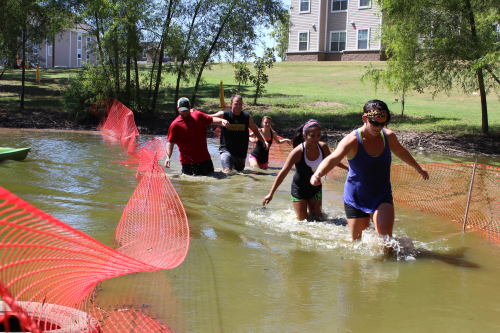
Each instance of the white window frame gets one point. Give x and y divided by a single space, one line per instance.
49 50
79 36
340 10
367 41
304 11
335 32
79 54
298 41
365 7
88 39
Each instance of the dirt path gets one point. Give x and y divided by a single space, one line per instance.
444 144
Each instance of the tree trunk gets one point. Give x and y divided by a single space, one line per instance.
23 63
137 87
162 51
212 47
484 108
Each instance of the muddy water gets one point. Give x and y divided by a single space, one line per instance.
250 269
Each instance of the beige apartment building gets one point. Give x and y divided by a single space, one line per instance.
334 30
71 48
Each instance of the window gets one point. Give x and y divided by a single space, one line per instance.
365 3
363 35
303 41
79 36
304 6
338 40
35 50
339 5
49 51
79 54
88 55
88 39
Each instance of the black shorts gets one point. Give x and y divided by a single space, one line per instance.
198 169
354 213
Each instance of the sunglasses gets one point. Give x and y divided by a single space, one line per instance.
376 123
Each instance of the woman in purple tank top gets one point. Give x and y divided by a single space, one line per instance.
367 192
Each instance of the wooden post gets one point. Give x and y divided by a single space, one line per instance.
468 199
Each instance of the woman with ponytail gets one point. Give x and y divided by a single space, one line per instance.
307 155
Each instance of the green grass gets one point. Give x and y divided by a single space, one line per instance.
330 92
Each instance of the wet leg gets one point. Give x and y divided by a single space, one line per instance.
357 225
300 209
383 219
315 211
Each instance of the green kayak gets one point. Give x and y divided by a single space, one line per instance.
17 154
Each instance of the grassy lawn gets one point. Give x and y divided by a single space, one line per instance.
328 91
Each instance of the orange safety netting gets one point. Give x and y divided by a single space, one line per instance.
446 193
49 271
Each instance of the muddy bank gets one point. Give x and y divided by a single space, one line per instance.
444 144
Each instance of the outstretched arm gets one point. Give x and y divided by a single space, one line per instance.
219 114
333 159
292 158
220 121
169 150
404 154
280 141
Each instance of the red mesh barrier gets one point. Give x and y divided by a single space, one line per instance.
446 193
49 271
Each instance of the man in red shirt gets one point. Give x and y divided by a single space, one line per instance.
188 131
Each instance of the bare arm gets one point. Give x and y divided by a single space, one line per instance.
257 133
333 159
404 154
220 121
219 114
292 158
169 150
280 141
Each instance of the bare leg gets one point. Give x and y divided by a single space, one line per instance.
383 219
315 209
300 209
253 163
357 226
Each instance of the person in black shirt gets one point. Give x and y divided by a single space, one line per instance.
260 155
234 138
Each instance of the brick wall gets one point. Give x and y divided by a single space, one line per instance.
316 56
361 56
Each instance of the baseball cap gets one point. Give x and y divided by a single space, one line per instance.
184 104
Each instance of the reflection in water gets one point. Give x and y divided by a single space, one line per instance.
254 269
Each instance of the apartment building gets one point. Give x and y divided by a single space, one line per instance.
334 30
71 48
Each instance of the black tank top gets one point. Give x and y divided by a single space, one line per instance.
301 184
234 139
260 152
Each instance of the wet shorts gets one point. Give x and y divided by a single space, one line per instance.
230 162
263 166
354 213
318 197
198 169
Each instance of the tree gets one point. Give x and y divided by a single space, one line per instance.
241 74
27 24
259 79
453 40
402 75
281 33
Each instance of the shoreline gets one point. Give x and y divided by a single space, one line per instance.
433 143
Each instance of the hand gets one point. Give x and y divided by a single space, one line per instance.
287 140
315 180
423 174
266 144
225 123
267 199
252 139
167 162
